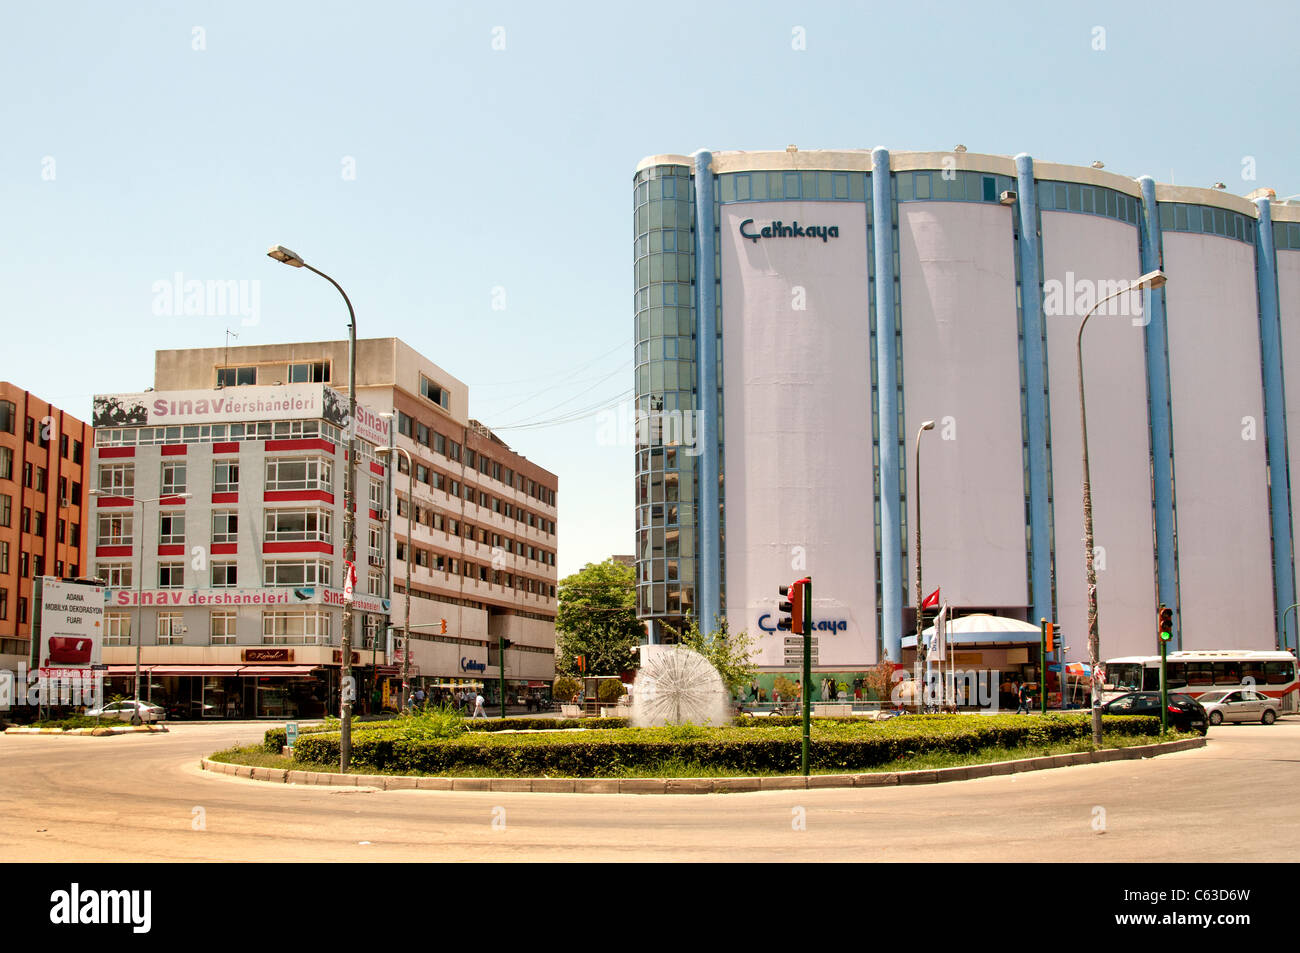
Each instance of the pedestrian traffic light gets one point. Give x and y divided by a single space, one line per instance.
1166 623
791 609
443 629
1051 635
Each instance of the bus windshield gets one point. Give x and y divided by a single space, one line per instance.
1124 676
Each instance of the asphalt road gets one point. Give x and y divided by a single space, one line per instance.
143 798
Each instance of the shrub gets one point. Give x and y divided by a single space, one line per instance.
611 689
566 688
784 687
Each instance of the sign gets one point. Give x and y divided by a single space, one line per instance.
338 657
819 625
472 665
782 230
71 627
283 596
267 655
234 404
290 733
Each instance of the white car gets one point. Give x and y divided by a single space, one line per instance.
1241 704
122 711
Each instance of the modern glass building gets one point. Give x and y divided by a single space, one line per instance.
826 304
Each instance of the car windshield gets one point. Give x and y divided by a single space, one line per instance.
1212 697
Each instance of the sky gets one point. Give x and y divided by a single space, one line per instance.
464 170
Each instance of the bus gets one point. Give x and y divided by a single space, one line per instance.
1198 672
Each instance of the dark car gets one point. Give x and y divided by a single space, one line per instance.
1185 712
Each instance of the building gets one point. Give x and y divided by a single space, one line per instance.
481 531
799 315
43 497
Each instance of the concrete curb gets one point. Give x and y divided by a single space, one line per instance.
86 732
703 785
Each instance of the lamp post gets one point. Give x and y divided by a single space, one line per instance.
1152 279
139 580
347 688
406 619
920 646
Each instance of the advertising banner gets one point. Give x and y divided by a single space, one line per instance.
71 628
283 596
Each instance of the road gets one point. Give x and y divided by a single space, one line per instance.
143 798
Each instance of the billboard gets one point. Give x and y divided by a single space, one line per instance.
71 628
234 404
265 597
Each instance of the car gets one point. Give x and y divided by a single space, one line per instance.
1241 704
125 710
1185 712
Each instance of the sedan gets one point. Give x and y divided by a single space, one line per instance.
1185 712
1240 705
125 710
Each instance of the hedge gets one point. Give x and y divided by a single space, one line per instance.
597 753
276 738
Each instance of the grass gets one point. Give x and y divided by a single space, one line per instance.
256 756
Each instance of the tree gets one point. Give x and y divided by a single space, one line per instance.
731 654
596 618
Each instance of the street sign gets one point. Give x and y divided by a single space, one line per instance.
796 642
291 733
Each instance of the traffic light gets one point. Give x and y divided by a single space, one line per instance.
506 643
1051 636
791 609
443 629
1166 623
581 661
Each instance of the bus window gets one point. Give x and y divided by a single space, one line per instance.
1176 673
1151 679
1279 673
1227 673
1200 673
1252 673
1123 676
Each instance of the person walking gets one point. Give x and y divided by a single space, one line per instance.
478 706
1022 699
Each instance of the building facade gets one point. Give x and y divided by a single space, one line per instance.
476 521
43 497
826 304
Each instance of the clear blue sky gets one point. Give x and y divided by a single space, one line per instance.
478 168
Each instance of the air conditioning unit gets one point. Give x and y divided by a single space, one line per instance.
383 515
1008 198
65 502
376 560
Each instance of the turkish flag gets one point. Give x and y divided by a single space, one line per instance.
350 582
931 600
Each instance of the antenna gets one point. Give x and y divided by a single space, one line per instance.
229 333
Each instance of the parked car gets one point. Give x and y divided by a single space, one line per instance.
123 710
1185 712
1240 705
182 711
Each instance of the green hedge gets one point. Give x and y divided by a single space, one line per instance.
276 738
593 754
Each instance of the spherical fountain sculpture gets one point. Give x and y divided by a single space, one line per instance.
677 686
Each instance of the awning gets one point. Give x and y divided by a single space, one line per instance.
195 670
538 684
280 670
983 629
126 670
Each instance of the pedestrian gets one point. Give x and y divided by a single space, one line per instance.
478 707
1022 698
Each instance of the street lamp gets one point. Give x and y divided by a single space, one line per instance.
410 552
347 690
920 646
1151 280
139 580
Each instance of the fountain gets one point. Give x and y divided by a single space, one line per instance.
677 686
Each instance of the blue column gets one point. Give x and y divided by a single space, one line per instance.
1031 310
891 527
1162 472
1270 343
708 589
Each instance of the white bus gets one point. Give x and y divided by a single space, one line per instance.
1195 673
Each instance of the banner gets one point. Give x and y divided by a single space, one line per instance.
71 627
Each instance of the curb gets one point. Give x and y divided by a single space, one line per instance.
85 732
703 785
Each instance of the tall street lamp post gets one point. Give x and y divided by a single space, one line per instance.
410 543
139 580
1152 280
920 645
347 687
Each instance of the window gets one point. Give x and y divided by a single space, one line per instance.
6 463
435 392
225 476
22 610
8 415
173 479
439 443
296 572
225 575
1279 673
376 546
376 584
116 529
282 627
377 501
76 451
30 432
298 525
221 626
171 528
40 525
63 446
171 628
39 561
236 376
4 558
171 576
27 475
422 434
117 628
42 475
225 526
6 509
26 522
115 575
4 604
317 372
300 473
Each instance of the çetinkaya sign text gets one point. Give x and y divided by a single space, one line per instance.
782 230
